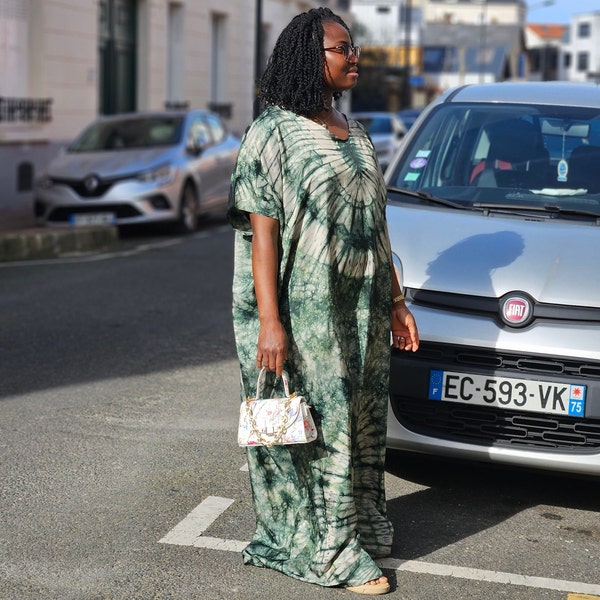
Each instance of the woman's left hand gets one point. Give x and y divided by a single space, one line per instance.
405 335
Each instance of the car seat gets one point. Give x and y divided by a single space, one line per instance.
517 157
584 168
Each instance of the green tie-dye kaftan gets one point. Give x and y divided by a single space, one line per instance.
320 507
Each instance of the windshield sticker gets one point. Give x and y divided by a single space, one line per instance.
562 169
418 163
423 153
411 177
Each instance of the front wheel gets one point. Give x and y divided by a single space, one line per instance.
188 210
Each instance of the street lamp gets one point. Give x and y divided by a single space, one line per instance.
482 41
406 99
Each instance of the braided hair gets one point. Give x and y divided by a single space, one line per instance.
295 73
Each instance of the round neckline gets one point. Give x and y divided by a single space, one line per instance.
333 135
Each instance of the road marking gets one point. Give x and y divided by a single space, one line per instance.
189 532
197 522
213 543
417 566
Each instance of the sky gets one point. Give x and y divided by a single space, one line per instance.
560 12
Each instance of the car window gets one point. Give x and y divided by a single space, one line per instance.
376 124
129 133
505 153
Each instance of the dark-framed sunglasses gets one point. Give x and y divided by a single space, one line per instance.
345 49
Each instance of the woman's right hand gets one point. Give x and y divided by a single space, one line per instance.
272 349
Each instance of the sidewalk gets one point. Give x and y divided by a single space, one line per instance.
21 239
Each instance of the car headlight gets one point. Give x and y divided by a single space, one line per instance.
163 175
44 182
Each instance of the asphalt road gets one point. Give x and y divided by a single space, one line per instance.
120 477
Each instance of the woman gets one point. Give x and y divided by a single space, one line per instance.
313 290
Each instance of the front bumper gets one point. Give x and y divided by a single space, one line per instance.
485 433
127 202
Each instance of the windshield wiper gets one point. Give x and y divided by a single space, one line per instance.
555 208
428 197
547 208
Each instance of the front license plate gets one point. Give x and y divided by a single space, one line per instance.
106 218
506 392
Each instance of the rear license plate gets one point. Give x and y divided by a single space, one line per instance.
506 392
93 219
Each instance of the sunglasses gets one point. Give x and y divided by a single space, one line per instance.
345 49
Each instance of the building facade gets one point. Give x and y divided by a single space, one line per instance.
476 12
544 43
580 59
444 43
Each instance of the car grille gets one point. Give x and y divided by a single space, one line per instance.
490 426
487 426
79 187
122 211
464 356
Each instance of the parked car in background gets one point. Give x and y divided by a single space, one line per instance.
140 168
494 219
409 115
386 131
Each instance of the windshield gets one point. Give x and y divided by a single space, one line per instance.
506 155
125 134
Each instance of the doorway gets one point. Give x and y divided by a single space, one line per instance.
117 68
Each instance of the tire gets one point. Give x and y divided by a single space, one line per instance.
188 210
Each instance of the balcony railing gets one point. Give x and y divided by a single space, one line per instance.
25 109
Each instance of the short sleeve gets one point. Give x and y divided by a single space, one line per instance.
256 183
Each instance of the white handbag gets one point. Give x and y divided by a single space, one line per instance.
275 421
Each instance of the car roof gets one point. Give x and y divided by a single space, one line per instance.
372 113
557 93
154 114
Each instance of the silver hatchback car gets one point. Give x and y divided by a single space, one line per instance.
494 218
386 130
140 168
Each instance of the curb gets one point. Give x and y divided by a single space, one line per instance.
40 243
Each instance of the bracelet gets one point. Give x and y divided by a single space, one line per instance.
398 298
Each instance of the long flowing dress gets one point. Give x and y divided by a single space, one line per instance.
320 507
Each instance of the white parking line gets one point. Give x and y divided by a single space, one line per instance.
199 520
189 533
213 543
417 566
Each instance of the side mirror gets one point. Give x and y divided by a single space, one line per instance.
198 144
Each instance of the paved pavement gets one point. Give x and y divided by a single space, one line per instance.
20 239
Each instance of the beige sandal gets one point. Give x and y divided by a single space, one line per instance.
370 589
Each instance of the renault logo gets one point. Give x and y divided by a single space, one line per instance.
516 310
91 183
